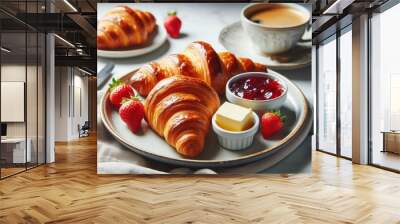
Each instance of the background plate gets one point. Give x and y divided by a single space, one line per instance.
234 39
158 40
150 145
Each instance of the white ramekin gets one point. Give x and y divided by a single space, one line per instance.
236 140
256 105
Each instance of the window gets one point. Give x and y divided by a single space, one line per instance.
22 75
327 96
334 106
385 89
346 93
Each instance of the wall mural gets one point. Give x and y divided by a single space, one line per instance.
204 88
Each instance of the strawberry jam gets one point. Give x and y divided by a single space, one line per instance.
257 88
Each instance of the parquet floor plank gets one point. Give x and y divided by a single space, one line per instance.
70 191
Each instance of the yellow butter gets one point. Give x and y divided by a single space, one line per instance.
232 117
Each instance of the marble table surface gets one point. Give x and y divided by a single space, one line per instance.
206 25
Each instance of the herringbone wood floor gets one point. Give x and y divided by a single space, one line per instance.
69 191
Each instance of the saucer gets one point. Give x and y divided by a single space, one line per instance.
234 39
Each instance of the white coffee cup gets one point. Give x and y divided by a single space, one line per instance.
273 40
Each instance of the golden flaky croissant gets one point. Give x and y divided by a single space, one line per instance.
179 109
198 60
124 27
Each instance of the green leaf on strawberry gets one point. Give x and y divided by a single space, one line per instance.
124 100
280 114
172 13
114 83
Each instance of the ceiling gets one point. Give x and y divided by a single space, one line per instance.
72 20
331 15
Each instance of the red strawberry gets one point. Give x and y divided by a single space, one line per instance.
271 123
119 91
173 24
132 113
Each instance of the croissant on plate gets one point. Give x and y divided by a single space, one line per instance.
180 109
124 27
198 60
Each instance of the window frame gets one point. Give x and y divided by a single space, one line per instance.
29 29
334 37
379 10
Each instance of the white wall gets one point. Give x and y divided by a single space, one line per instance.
14 72
70 84
61 104
80 84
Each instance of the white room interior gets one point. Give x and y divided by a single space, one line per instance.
71 102
22 100
30 82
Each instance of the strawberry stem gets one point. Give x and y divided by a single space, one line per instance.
279 113
114 83
125 99
172 13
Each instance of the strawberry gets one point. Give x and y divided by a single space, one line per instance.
132 113
271 123
119 91
173 24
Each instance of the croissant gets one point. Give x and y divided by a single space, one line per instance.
124 27
198 60
179 109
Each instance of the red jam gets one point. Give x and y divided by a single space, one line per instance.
257 88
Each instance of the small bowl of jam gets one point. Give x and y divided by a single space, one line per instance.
259 91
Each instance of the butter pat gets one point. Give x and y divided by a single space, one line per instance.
232 117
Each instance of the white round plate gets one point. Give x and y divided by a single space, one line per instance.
158 40
147 143
235 39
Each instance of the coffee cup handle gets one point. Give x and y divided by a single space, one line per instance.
308 29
